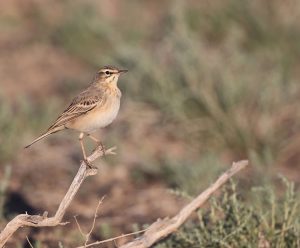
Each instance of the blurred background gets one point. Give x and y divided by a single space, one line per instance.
209 82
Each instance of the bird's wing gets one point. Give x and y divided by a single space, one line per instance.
82 104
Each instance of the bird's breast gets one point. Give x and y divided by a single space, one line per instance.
99 117
104 115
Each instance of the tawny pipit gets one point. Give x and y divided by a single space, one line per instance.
93 108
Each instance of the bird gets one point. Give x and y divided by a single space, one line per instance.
94 108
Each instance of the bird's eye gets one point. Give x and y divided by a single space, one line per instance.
107 72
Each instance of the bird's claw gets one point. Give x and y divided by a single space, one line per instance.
103 149
87 163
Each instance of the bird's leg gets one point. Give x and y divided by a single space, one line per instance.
98 142
81 135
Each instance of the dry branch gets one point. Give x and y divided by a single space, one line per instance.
162 228
43 221
88 235
112 239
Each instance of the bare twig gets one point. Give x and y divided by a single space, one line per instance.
87 235
112 239
29 242
162 228
79 227
43 221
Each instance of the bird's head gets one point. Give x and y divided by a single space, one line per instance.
109 74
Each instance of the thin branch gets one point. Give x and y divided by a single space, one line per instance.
95 217
163 228
113 239
87 235
43 221
29 242
79 227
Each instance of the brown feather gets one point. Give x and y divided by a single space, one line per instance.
103 87
81 104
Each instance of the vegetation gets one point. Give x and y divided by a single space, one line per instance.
209 83
230 222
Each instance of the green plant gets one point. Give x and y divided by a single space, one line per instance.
15 121
230 221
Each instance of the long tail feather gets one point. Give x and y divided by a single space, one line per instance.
43 136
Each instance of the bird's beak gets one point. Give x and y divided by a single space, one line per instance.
122 71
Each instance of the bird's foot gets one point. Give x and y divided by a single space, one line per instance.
103 148
87 163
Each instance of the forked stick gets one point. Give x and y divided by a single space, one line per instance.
155 232
22 220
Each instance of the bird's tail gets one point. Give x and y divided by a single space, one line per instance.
51 131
